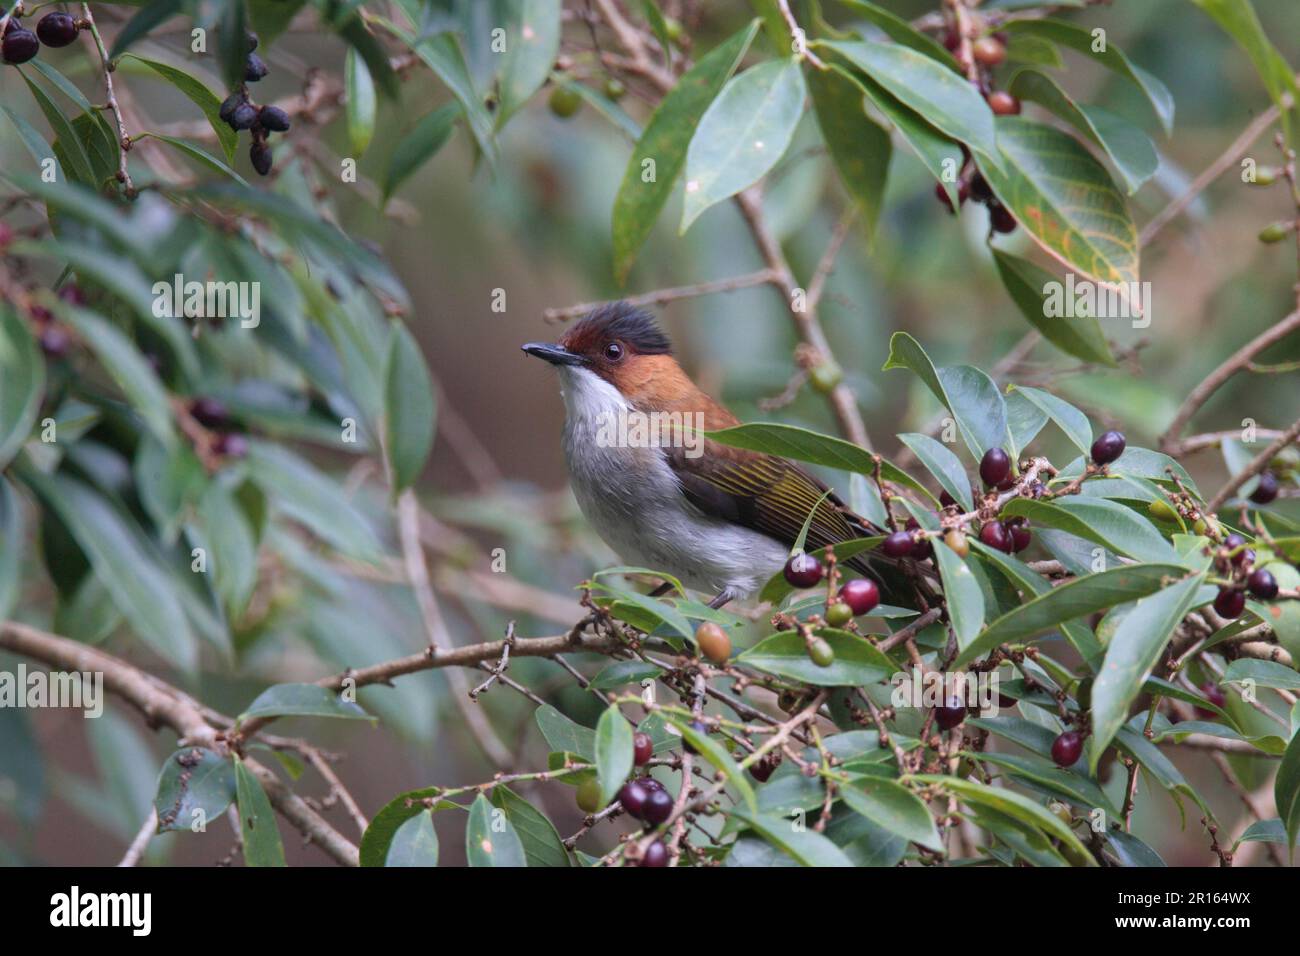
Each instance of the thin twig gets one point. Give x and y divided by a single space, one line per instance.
661 296
123 140
1256 465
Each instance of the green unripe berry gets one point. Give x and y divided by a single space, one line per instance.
839 614
825 377
822 654
1162 510
615 89
1264 176
1274 232
1200 527
673 27
565 101
588 795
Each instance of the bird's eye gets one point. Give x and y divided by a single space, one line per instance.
613 351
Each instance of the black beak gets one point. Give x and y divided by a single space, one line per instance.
555 354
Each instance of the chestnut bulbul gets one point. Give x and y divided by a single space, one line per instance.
721 519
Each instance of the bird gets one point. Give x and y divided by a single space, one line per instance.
722 520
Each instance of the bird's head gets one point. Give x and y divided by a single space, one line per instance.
622 345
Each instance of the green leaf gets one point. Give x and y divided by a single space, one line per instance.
664 143
309 497
409 410
139 586
199 154
893 807
961 592
1238 19
900 31
302 700
622 673
362 103
1130 149
968 393
74 158
658 611
194 788
806 846
261 836
857 662
232 42
123 361
1107 54
384 825
742 134
943 464
22 383
541 842
1134 649
717 755
231 543
1098 520
1286 791
415 844
34 141
1265 831
203 98
860 148
945 99
13 540
1073 599
1069 419
354 31
443 55
1033 290
490 837
563 734
613 752
532 42
419 145
1263 673
1066 201
788 441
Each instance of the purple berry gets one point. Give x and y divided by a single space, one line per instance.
803 570
995 467
1266 490
1230 603
56 29
1262 584
633 797
1067 748
861 595
658 807
1108 447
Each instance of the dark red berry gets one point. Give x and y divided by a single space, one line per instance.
55 342
254 69
650 783
656 855
946 500
700 728
1230 603
19 45
861 595
1020 534
995 535
643 749
1108 447
56 29
260 156
1262 584
243 116
1003 103
658 807
951 713
1266 490
979 188
209 412
803 570
988 51
951 41
1001 218
995 467
633 796
897 545
941 193
1067 748
232 445
274 119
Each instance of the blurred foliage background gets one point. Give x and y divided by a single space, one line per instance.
538 227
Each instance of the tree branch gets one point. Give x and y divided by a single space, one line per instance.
1257 464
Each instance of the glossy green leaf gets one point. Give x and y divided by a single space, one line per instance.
197 153
261 835
1069 419
74 159
804 844
22 383
361 104
443 55
1263 673
1286 791
490 837
1070 600
409 410
895 808
613 752
302 700
1038 294
622 673
944 98
1134 649
377 841
859 147
742 134
430 134
1130 149
194 788
857 661
716 755
1066 201
943 464
532 42
1095 519
962 593
660 154
541 842
564 734
200 96
900 31
415 844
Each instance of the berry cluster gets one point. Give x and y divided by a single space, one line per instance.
1237 562
55 29
854 598
213 414
643 798
240 113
